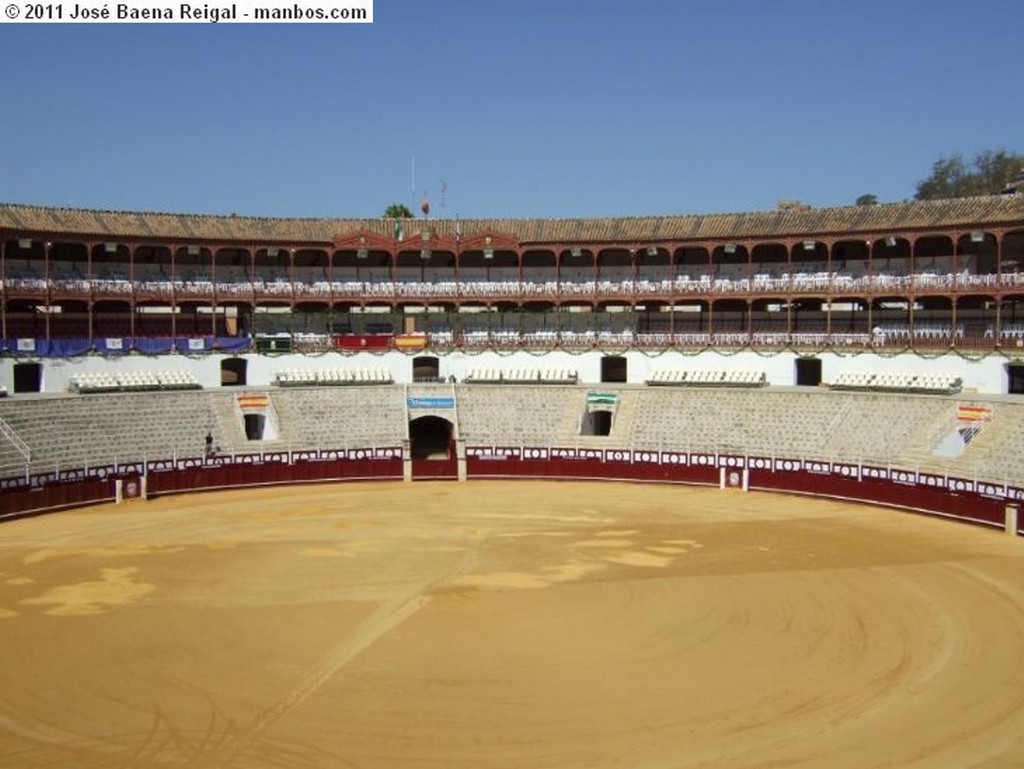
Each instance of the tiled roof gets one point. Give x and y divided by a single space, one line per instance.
921 216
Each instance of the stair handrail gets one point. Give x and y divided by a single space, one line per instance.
8 432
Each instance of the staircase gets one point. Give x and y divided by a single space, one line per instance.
19 445
622 424
918 453
229 432
976 459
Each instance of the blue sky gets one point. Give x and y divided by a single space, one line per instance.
563 108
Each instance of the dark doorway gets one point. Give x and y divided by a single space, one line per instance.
430 438
596 423
254 424
1015 378
426 368
808 372
232 372
28 377
432 449
613 368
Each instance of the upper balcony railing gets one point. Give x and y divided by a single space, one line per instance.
820 284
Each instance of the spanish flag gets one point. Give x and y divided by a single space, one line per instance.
410 341
252 401
974 414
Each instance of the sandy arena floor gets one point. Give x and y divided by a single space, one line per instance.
507 625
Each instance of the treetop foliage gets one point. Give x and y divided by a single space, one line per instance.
397 211
952 177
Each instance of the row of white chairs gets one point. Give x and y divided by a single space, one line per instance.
630 338
921 331
177 380
1008 331
360 376
900 381
702 377
133 380
282 284
523 376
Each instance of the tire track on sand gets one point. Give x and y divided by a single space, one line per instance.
389 615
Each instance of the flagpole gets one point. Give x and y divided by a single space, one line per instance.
458 252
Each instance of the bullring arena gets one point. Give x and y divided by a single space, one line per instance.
718 491
508 624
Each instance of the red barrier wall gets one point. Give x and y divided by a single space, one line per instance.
55 496
271 473
901 489
971 507
435 469
589 469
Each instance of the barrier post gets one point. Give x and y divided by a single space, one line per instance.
460 458
1010 522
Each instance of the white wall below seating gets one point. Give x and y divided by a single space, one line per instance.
986 375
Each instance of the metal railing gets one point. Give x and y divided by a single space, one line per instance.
22 448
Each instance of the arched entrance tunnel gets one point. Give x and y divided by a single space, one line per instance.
430 437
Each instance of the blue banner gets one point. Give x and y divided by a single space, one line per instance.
430 403
73 347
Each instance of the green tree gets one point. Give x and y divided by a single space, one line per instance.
996 169
948 180
397 211
952 177
867 200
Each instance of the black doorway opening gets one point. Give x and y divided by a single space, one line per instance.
808 372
